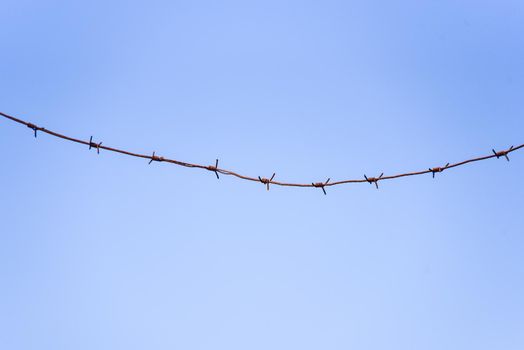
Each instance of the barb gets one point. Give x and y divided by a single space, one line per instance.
374 180
155 158
321 185
438 169
94 145
267 182
34 127
502 153
214 168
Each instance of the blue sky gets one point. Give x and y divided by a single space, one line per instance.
106 252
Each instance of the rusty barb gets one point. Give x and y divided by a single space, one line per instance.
502 153
94 145
156 158
33 126
214 168
438 169
374 180
266 181
321 185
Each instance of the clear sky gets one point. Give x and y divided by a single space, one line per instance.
108 252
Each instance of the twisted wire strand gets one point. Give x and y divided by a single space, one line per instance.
266 182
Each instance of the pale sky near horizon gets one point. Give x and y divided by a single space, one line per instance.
108 252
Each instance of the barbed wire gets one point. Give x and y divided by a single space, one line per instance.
265 181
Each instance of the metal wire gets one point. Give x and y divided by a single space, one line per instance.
265 181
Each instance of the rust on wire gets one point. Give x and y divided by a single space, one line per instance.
502 153
32 126
265 181
374 180
155 158
438 169
214 168
321 185
94 145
